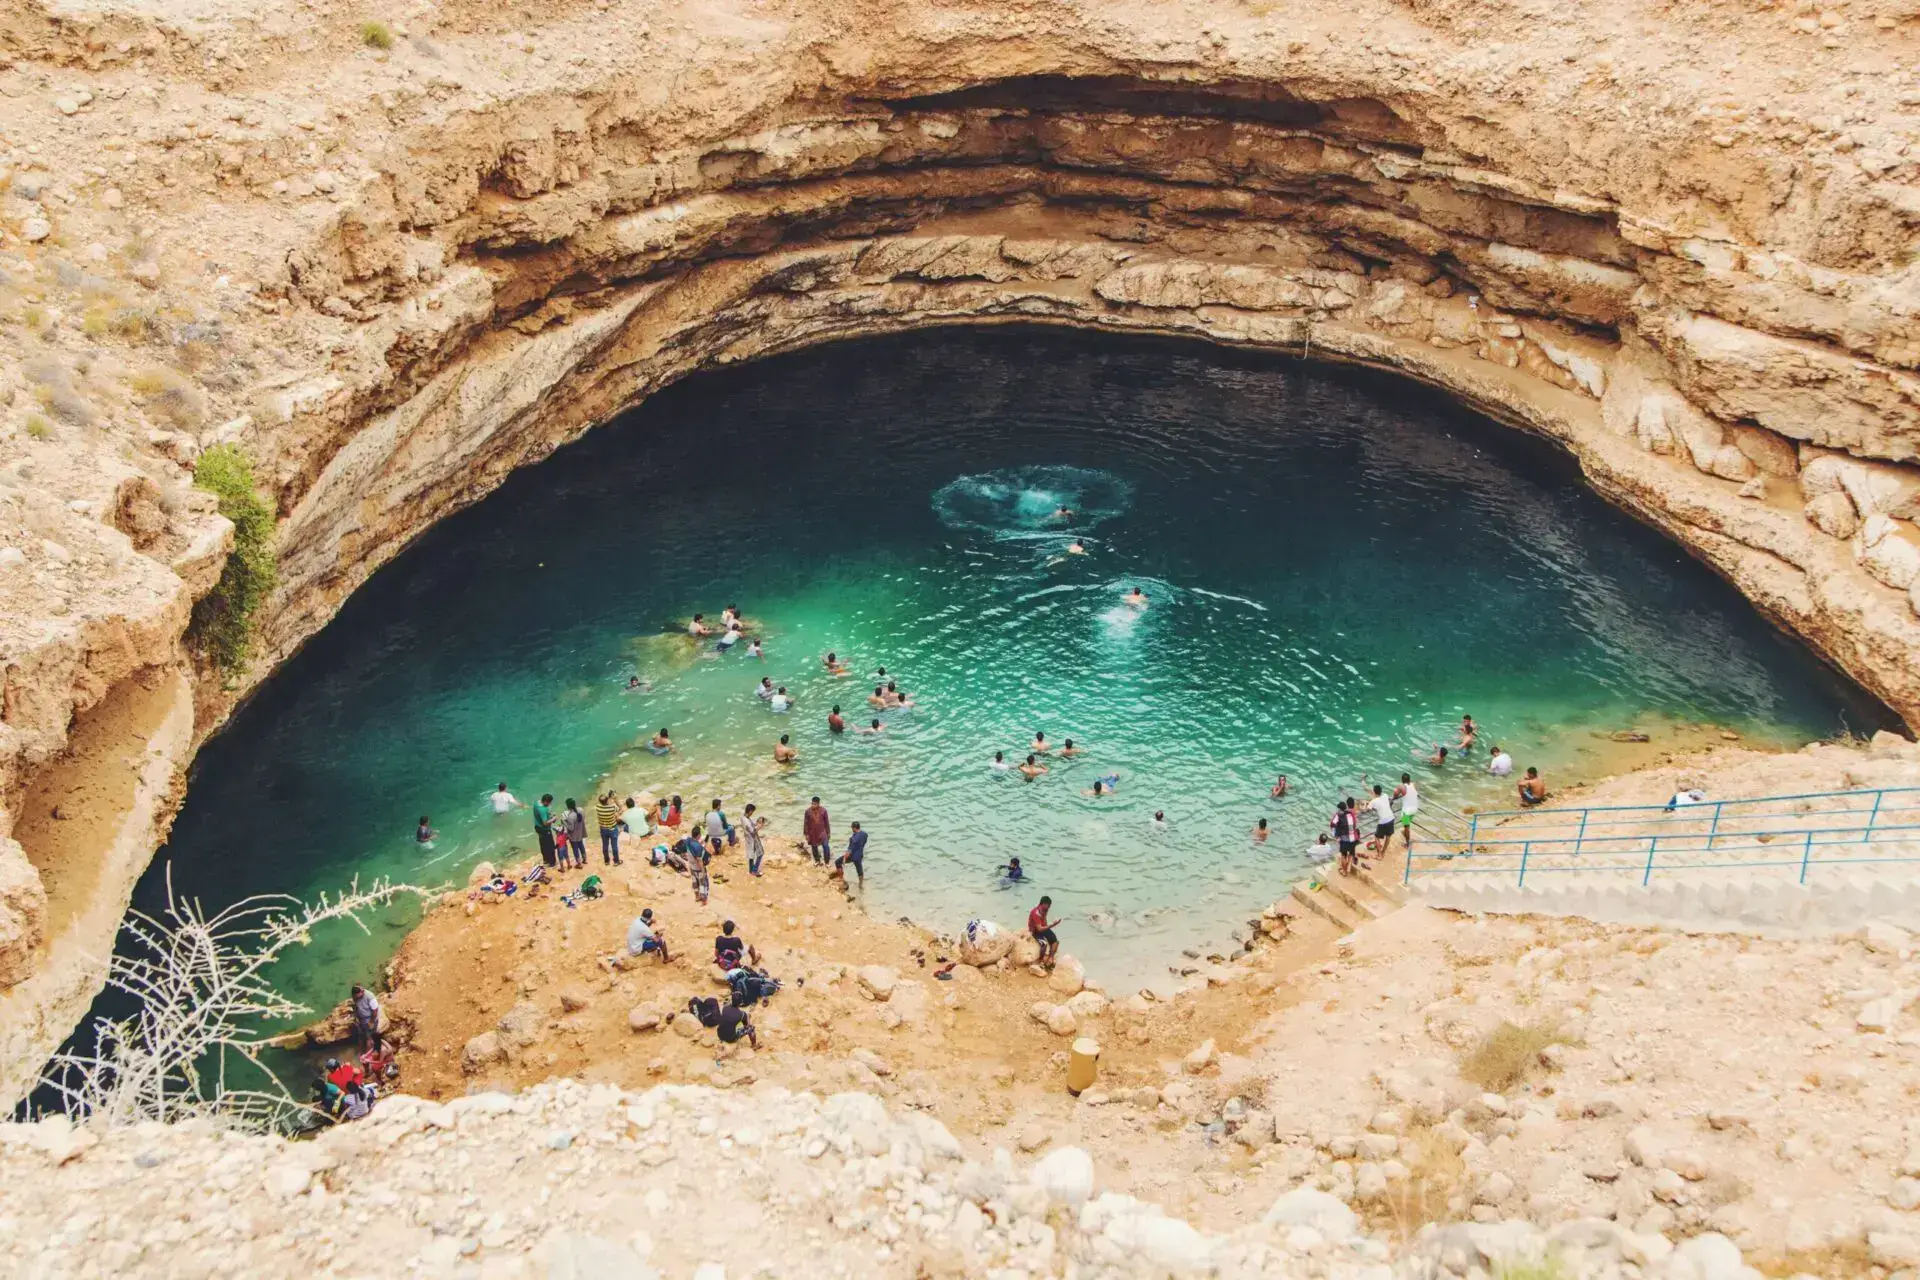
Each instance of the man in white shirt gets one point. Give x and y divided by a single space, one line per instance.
1502 764
1382 806
780 701
1409 796
502 800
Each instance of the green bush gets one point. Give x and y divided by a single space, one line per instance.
222 627
376 35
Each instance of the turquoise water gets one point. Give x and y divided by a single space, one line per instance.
1338 566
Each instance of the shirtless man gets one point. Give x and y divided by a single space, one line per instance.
1533 788
1032 768
1467 734
875 727
1260 832
1135 597
878 698
1040 744
835 667
836 723
661 743
784 751
698 627
1069 751
1279 788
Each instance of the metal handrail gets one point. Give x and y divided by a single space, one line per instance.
1572 840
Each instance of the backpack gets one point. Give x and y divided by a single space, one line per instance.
706 1009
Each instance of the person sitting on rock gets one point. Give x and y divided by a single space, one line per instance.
1042 930
730 949
643 936
1533 788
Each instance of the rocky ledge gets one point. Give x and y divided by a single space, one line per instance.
571 1180
396 260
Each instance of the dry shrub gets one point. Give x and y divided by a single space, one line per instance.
1551 1267
1508 1053
376 35
1436 1176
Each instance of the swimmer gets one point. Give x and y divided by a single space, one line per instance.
1135 597
1076 548
661 744
754 650
1321 850
764 691
881 675
1103 786
836 723
1279 788
636 685
698 627
730 616
875 727
1063 514
1468 732
1437 756
834 666
1040 743
784 752
1260 832
424 833
878 698
729 638
906 701
1011 872
1160 818
1032 768
890 696
1502 764
1000 764
1069 751
780 703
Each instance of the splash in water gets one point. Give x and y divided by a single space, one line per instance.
1021 501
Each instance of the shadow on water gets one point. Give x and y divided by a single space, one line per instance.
1339 563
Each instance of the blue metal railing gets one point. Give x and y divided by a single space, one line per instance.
1801 831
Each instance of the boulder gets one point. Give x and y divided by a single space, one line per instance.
1067 977
1088 1004
521 1025
1061 1022
1714 1257
1874 488
1306 1206
1203 1056
1772 453
876 980
573 1000
643 1018
1833 515
985 943
1889 551
481 1052
872 1062
1025 951
1066 1175
481 874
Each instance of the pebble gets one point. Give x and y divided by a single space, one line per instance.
34 230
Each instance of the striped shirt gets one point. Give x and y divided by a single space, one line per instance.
608 813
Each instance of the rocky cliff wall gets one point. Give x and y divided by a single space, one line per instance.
1677 240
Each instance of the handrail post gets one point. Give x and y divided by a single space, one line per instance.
1714 826
1647 879
1873 816
1806 856
1580 836
1525 849
1473 833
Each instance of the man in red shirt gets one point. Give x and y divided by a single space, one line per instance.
1042 930
818 832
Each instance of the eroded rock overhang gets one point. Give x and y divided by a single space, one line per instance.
461 255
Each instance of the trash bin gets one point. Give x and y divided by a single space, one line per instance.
1083 1064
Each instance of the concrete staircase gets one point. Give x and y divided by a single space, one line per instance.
1712 900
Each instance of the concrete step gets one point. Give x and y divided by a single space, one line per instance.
1392 892
1350 899
1306 897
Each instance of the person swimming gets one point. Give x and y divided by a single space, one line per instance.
1159 817
636 685
834 666
1069 750
878 698
836 723
1032 768
754 650
1040 743
1279 788
1000 764
1077 548
1011 873
1063 514
1437 756
875 727
698 627
424 833
728 638
780 703
661 744
764 691
890 696
1104 786
1260 832
784 752
1468 732
1135 597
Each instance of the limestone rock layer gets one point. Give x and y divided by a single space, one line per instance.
394 265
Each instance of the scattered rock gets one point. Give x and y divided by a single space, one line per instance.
876 980
481 1052
1203 1056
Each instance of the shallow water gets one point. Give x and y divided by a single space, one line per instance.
1338 565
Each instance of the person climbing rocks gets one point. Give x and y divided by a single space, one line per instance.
1042 930
817 830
